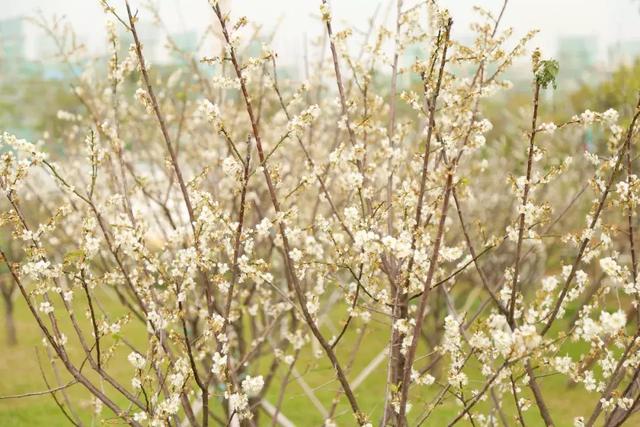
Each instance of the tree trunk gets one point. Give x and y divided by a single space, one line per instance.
10 323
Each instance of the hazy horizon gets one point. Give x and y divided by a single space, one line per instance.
607 22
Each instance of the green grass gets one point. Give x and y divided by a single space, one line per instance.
20 370
20 374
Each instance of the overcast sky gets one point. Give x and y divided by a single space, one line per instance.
609 21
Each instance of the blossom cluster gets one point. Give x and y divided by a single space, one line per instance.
258 231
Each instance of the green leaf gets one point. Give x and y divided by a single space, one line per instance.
546 72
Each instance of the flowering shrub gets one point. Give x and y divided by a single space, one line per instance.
249 225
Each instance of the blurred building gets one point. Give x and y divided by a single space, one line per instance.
577 57
150 37
12 44
409 56
623 53
185 46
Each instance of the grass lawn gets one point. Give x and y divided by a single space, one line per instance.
20 373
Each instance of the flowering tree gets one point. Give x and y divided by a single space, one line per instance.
244 225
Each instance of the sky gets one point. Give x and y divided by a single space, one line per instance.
608 21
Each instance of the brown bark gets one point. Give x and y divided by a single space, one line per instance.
9 318
10 324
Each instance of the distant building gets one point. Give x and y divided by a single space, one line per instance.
46 48
409 56
577 57
185 43
12 43
150 37
623 53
